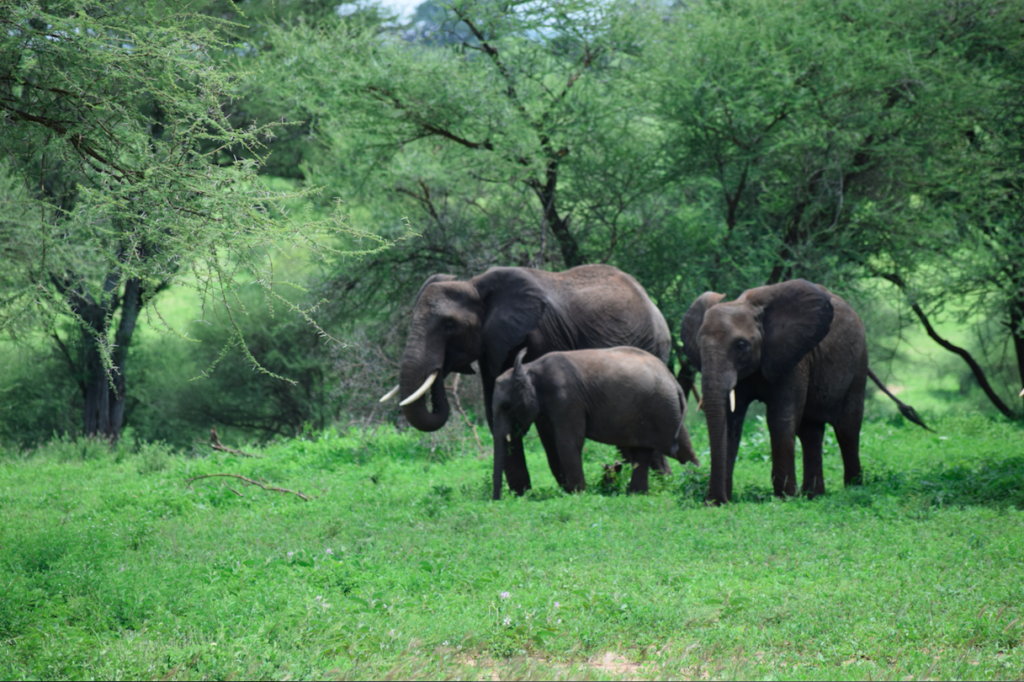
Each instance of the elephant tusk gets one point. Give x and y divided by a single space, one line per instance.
700 404
420 391
1021 394
390 394
732 400
508 437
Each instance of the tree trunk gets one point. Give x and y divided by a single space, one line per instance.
559 226
105 391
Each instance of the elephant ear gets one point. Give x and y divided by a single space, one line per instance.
431 280
796 317
519 376
692 322
513 305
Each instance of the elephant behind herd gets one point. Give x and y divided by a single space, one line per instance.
795 346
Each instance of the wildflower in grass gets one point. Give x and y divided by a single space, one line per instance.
329 551
505 595
507 621
290 554
557 605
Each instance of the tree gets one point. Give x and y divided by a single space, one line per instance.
978 209
506 133
828 139
250 27
113 122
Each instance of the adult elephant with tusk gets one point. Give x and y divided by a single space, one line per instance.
802 351
490 317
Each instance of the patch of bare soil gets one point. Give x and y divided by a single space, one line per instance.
608 663
612 662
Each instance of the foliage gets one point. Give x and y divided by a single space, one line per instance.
913 574
229 391
112 118
718 146
39 399
509 135
248 27
846 141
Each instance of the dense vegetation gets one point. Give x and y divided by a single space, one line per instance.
215 213
218 212
114 565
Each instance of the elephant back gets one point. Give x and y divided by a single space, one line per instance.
599 306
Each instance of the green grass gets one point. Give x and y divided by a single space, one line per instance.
112 567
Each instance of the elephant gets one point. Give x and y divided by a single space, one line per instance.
802 351
621 396
490 317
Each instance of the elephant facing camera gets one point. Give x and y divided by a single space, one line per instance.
620 396
802 351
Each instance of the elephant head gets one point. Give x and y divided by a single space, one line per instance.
455 323
767 330
516 407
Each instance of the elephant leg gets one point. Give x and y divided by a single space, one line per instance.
848 437
782 430
547 438
735 433
488 382
569 443
516 473
659 462
642 458
811 435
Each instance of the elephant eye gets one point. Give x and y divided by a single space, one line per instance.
449 326
742 345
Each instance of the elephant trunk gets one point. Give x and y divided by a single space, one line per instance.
416 369
423 418
501 437
718 407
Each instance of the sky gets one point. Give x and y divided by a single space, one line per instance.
405 7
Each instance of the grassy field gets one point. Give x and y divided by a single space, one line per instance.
399 566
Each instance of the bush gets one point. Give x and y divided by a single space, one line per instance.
38 397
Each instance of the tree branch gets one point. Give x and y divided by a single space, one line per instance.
216 445
979 373
77 141
248 481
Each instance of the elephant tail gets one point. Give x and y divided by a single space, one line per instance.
906 410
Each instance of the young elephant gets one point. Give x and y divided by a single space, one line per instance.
621 396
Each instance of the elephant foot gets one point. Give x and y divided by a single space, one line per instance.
814 489
784 486
519 491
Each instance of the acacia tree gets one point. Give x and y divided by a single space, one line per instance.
503 132
978 217
831 140
112 120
